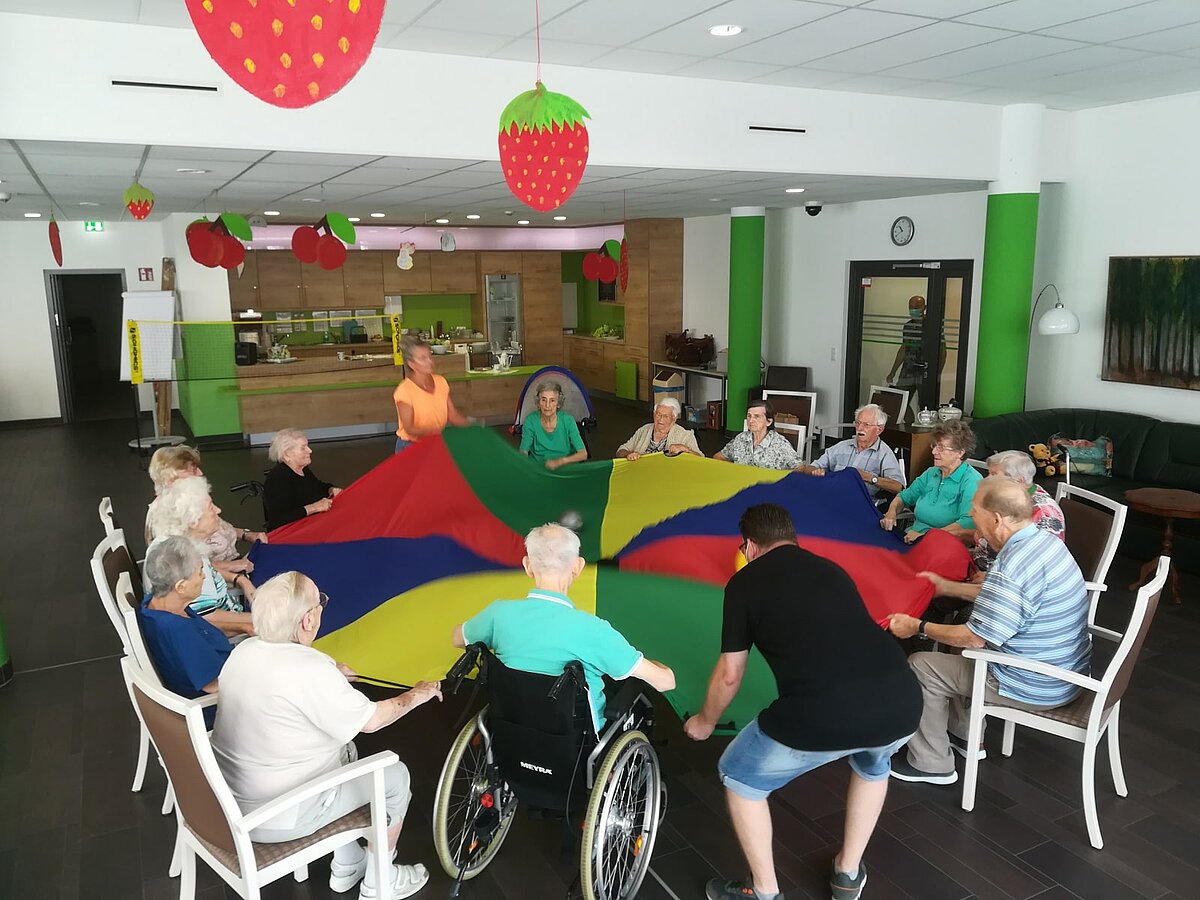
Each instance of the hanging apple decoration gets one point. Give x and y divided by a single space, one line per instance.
543 147
55 241
139 201
219 243
286 53
599 265
327 250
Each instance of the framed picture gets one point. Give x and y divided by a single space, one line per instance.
1152 321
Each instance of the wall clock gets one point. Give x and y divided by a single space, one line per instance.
903 231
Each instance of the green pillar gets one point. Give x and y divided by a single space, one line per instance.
747 238
1009 244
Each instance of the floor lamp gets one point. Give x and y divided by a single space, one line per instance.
1058 320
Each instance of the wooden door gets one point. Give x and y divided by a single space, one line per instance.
362 276
243 289
406 281
322 289
541 301
278 280
453 273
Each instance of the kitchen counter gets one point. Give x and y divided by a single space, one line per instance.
594 340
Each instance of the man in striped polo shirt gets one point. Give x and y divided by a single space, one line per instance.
1032 603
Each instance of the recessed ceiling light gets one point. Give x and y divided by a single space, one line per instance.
560 218
88 203
442 221
378 215
725 30
33 215
793 190
310 199
353 219
193 171
716 199
473 216
270 212
273 247
519 221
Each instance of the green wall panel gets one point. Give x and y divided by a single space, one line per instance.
592 313
746 241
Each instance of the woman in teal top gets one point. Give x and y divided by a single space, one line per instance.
941 496
547 437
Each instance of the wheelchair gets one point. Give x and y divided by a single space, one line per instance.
534 744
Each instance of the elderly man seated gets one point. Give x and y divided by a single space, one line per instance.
1032 603
760 445
663 435
288 715
1018 466
544 631
866 452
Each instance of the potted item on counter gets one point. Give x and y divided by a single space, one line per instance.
438 346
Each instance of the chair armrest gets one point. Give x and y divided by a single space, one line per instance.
1033 665
350 772
1094 586
204 701
1107 634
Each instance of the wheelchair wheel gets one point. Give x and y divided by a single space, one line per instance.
623 813
473 809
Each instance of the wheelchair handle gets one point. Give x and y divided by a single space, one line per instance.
727 726
461 669
572 671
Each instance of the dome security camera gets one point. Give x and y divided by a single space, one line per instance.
813 207
5 196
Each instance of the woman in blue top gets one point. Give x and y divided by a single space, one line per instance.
547 437
941 496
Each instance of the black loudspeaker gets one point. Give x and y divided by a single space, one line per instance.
245 353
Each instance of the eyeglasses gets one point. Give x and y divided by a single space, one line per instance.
322 601
742 547
859 423
942 448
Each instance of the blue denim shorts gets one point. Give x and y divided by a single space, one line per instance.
754 765
402 444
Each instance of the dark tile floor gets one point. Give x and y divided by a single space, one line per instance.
70 828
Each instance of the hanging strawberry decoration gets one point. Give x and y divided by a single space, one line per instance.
219 243
55 240
288 53
624 266
543 147
326 250
139 201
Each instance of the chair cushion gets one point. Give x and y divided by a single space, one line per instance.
267 854
1074 713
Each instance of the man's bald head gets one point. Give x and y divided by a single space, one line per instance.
1005 497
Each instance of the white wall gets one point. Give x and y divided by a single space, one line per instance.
1134 190
706 289
807 278
28 384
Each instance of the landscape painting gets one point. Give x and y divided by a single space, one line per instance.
1152 322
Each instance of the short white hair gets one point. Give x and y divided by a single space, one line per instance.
881 418
551 548
672 404
168 463
1015 464
279 605
169 562
179 508
284 442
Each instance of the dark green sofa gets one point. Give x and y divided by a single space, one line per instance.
1147 452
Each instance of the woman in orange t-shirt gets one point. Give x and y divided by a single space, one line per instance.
423 404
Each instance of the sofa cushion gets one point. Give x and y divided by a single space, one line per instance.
1171 457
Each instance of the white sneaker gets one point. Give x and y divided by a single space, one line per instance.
343 877
406 881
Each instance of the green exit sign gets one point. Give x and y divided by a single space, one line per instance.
93 226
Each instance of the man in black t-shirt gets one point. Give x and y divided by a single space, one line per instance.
845 690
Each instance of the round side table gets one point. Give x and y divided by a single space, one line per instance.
1168 504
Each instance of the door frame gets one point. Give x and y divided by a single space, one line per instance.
937 272
60 334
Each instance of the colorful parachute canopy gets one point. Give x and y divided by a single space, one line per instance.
429 537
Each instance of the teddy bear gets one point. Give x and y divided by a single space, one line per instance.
1049 462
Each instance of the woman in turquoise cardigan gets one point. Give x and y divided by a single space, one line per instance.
941 496
547 437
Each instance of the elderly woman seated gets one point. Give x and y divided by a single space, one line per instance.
187 650
663 435
169 464
760 444
288 715
292 490
547 437
940 497
1018 466
185 509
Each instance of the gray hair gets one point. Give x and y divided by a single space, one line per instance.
958 435
551 548
543 386
1014 464
170 561
881 418
672 404
168 462
179 508
279 605
409 343
285 440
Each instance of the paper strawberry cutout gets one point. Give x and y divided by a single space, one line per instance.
289 53
55 241
139 201
543 147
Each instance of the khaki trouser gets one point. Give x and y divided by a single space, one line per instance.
946 688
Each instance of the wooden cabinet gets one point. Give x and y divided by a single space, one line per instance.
406 281
243 289
453 273
541 303
322 289
279 280
362 276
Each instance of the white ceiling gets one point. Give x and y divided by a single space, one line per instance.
1067 54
